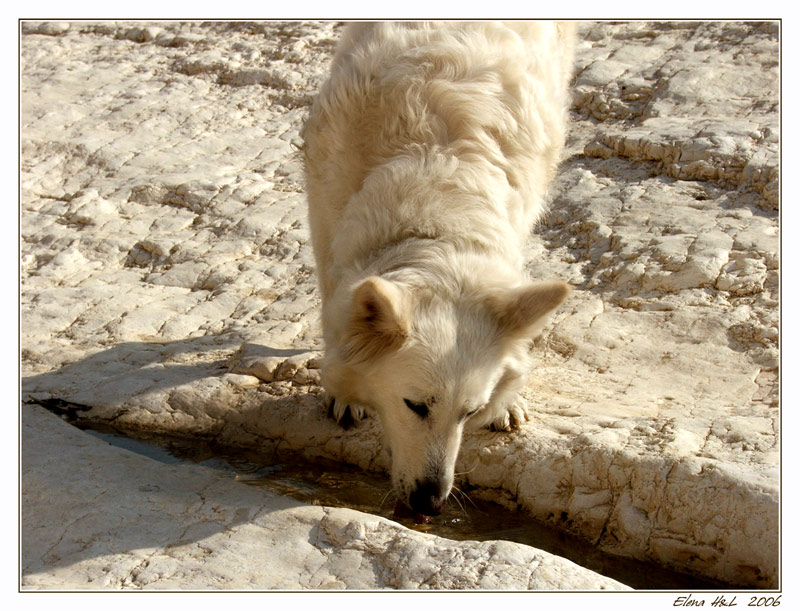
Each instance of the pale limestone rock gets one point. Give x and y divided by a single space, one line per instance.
168 282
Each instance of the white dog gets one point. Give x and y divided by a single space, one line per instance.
428 153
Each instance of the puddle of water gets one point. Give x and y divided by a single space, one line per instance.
325 482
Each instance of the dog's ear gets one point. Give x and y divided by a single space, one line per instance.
522 312
379 319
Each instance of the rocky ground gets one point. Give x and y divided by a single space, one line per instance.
168 285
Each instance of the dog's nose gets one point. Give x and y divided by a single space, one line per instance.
428 498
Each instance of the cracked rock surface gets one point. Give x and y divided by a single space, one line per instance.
168 284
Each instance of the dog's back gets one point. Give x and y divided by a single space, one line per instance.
435 130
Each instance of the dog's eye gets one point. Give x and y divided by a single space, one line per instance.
418 408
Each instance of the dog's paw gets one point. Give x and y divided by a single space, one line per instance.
344 414
509 419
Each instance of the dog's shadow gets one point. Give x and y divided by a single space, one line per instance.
132 369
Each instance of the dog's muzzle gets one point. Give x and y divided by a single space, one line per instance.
428 497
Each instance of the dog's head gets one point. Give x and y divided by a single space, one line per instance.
427 363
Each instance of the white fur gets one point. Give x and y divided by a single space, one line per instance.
428 154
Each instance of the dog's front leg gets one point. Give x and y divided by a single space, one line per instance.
506 409
345 414
341 384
